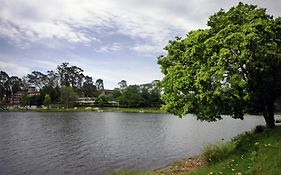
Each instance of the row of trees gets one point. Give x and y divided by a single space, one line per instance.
145 95
62 85
65 84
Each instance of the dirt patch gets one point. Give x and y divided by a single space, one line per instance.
186 165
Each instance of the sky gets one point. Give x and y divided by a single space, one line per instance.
109 39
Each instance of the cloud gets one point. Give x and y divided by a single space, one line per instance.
110 48
84 22
13 68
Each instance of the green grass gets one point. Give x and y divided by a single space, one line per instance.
219 151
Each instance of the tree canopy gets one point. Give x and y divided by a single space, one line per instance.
232 67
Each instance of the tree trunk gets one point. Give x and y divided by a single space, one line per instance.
268 114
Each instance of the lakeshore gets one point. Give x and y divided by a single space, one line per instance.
87 109
255 152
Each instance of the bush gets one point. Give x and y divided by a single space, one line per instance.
219 151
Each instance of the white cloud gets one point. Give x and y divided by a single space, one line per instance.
154 22
13 68
110 48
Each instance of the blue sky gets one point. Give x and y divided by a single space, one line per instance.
109 39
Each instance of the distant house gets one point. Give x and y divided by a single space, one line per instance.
31 91
15 99
85 101
105 91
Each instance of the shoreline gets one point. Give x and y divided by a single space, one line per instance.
105 109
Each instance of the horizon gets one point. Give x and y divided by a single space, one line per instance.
108 40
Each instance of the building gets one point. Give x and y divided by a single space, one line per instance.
15 99
105 91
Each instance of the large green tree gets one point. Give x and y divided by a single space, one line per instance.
232 67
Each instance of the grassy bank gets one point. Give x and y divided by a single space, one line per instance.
81 109
258 152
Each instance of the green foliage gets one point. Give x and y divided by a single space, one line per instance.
24 100
219 151
67 96
47 100
102 101
229 68
89 89
53 92
130 96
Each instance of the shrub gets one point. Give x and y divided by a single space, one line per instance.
219 151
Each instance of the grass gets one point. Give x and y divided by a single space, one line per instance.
219 151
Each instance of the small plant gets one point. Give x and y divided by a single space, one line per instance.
219 151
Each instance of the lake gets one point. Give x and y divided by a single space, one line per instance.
97 143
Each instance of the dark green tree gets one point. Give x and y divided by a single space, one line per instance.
4 88
99 84
53 92
230 68
89 89
131 96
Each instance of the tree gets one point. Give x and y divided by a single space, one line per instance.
101 101
68 96
230 68
4 87
47 101
53 78
70 75
122 84
15 84
99 84
37 79
131 96
53 92
89 89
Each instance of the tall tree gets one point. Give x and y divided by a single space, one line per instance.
37 79
229 68
15 84
89 89
99 84
70 75
53 78
122 84
4 87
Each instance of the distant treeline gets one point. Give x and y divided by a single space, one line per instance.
65 85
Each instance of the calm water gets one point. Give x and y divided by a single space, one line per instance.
96 143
